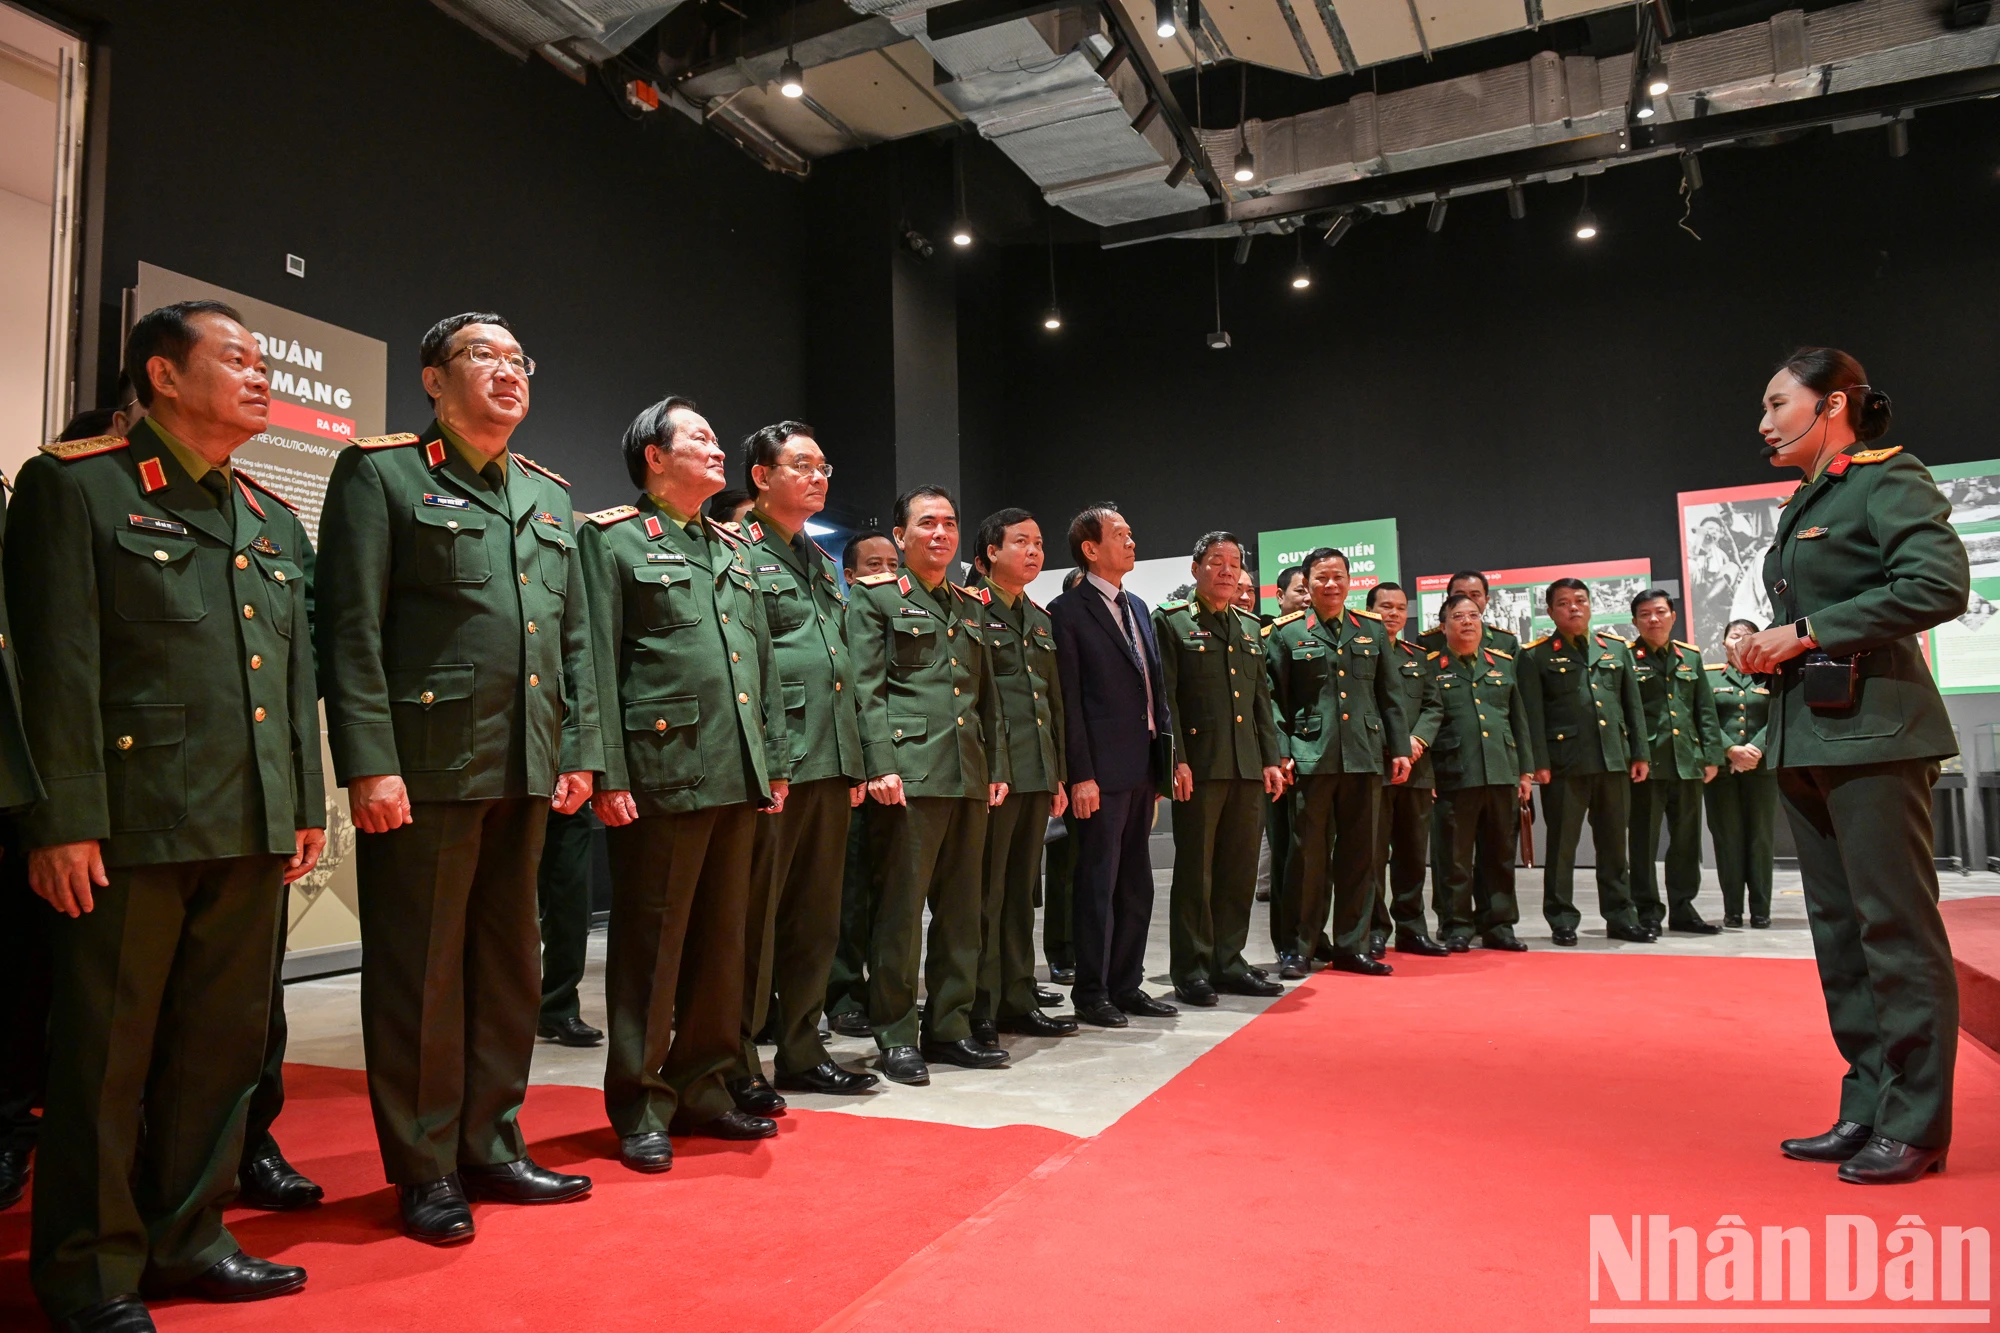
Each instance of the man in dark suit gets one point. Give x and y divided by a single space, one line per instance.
1115 719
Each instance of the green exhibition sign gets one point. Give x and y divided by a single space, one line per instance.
1369 545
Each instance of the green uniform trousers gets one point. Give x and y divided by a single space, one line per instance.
158 1018
1676 802
1485 876
673 966
1278 832
1014 833
930 850
1479 825
847 979
1058 889
267 1099
450 980
562 897
1864 838
1401 858
1215 879
1742 819
25 923
1332 862
1606 800
792 923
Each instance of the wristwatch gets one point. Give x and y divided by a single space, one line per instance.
1804 631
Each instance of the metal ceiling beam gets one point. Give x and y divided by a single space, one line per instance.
1568 155
963 16
1126 33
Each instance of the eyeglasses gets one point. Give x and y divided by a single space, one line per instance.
483 356
807 469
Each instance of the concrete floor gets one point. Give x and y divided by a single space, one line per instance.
1081 1084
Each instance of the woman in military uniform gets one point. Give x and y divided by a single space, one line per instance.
1865 561
1743 799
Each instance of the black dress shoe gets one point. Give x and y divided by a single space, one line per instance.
737 1127
1505 943
1887 1161
1418 943
1143 1005
1694 925
521 1182
1035 1023
753 1096
1630 934
1291 967
1249 985
1101 1013
1257 972
272 1184
1734 920
1046 998
1323 952
1457 944
651 1152
14 1170
570 1031
986 1032
851 1023
242 1278
1358 963
1566 938
1846 1138
828 1080
1759 922
965 1053
1378 946
1063 976
1197 993
120 1314
435 1212
903 1064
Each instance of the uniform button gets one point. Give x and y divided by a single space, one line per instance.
955 690
1232 647
1192 731
660 724
743 698
278 574
1038 722
833 652
822 620
1483 733
1232 671
259 714
249 611
451 522
1038 694
1559 735
734 658
1343 694
1343 718
161 555
1677 731
950 633
1600 703
1238 694
531 627
899 733
256 661
426 697
954 661
1343 671
961 722
524 580
836 687
1602 723
725 617
242 561
663 579
534 679
124 742
1239 717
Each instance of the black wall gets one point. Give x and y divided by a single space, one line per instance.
1510 396
421 171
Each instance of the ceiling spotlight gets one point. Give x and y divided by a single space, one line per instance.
1586 221
1645 111
1246 164
1435 222
1657 86
1163 19
1338 231
1302 278
1052 320
1517 202
791 79
1218 341
961 232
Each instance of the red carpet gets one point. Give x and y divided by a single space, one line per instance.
1974 926
1423 1153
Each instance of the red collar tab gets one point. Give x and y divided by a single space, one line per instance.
756 532
248 498
1489 659
434 453
152 477
653 526
1838 467
903 584
986 596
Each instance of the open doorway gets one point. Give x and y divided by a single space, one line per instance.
41 150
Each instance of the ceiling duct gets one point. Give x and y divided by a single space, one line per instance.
565 31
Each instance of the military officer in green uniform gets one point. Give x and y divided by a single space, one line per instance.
1684 751
847 980
1587 725
1485 758
1341 728
1021 647
934 741
461 707
1743 800
796 864
1404 831
1865 560
1226 768
168 688
686 667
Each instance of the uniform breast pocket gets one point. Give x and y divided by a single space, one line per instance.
663 596
156 577
908 733
451 546
553 557
281 577
785 607
663 742
431 709
146 766
913 643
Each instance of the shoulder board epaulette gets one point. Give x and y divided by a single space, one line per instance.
604 518
873 580
385 441
1501 652
1690 647
1173 604
1717 666
1613 634
1431 656
1286 618
1876 455
245 476
528 462
1410 648
1264 631
1358 611
1537 643
96 444
728 535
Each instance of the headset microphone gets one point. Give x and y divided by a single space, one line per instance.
1773 450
